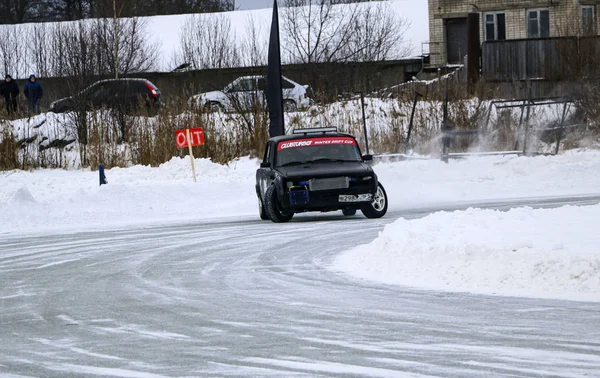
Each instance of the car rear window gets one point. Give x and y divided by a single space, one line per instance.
148 83
286 84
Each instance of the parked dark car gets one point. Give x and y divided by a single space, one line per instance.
317 170
127 94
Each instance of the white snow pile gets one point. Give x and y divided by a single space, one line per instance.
54 200
433 182
549 253
62 201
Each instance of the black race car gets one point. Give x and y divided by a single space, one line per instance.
317 170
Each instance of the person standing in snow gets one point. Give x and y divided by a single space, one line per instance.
34 92
10 91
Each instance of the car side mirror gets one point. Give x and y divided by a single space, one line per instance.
265 164
367 157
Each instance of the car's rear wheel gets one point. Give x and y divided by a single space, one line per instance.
273 208
378 207
261 209
349 212
289 106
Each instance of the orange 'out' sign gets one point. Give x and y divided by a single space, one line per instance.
196 137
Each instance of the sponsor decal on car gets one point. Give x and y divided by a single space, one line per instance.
315 142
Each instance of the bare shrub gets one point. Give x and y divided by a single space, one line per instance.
207 42
8 147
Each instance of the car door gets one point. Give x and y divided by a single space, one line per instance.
265 174
140 94
242 93
287 88
95 96
260 92
113 97
123 95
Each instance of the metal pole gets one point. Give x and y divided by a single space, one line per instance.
189 143
525 139
526 136
520 126
445 141
412 117
487 121
362 103
561 129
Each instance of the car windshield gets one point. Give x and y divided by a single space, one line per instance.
316 150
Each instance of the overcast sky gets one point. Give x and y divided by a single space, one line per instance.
253 4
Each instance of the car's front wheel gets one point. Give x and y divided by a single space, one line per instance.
378 207
273 208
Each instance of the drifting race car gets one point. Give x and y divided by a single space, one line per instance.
317 169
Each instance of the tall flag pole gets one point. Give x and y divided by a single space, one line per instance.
273 90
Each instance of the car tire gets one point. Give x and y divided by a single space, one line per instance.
214 106
289 106
349 212
273 208
262 212
378 207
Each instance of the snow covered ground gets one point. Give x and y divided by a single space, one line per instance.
549 253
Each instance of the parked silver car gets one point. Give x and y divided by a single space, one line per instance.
246 92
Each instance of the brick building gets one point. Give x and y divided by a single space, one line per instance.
505 20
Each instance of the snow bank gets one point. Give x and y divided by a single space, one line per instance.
59 200
56 200
433 182
523 252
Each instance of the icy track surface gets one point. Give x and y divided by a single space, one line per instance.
242 297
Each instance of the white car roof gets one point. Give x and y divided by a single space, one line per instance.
262 76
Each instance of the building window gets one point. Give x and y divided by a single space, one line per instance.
494 26
588 19
538 23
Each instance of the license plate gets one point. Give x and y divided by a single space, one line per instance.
354 197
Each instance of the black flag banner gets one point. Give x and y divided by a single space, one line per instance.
273 81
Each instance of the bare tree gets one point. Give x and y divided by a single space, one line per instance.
40 48
378 35
316 31
124 49
15 11
252 46
208 42
12 50
325 31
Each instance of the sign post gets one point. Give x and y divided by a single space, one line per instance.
189 138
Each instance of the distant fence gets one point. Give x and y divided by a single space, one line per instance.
431 89
551 59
